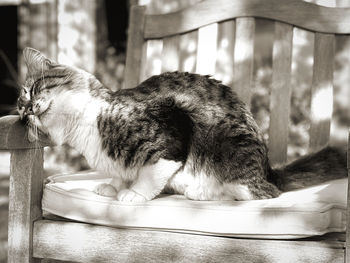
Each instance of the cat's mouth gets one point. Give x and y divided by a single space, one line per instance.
35 126
27 110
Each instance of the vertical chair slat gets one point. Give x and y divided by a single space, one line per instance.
302 67
170 54
322 91
224 53
341 93
206 52
188 51
135 46
151 59
280 93
25 202
244 57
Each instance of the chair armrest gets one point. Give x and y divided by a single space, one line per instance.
13 135
26 184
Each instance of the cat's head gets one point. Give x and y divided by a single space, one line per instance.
43 97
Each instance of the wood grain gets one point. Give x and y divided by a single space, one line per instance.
295 12
26 181
78 242
244 58
13 135
322 91
280 99
134 47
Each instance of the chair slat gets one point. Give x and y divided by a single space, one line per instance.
322 91
302 67
244 58
339 126
151 59
224 53
280 93
135 46
295 12
188 51
206 52
170 54
26 182
78 242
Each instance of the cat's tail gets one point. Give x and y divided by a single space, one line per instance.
324 165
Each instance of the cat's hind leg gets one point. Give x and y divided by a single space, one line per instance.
262 189
150 181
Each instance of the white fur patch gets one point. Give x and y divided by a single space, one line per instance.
152 178
237 191
200 186
73 120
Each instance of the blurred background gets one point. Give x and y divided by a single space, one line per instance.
92 34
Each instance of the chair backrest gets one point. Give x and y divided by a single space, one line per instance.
216 37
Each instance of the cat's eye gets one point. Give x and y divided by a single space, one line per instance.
24 90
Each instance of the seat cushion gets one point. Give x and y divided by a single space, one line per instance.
310 211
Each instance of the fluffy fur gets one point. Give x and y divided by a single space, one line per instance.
178 132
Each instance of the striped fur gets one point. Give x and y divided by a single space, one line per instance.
177 132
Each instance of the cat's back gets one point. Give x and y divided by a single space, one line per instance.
172 84
205 100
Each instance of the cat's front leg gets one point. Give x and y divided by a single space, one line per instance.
111 189
150 182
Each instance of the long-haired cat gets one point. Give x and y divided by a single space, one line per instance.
180 132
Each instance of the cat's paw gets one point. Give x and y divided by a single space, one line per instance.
105 190
127 195
194 195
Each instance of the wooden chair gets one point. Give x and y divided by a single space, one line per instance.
182 41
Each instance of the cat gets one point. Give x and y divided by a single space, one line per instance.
176 132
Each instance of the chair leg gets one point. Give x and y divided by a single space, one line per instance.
26 181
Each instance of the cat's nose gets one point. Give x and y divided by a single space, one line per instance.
24 107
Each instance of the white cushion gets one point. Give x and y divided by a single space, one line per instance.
310 211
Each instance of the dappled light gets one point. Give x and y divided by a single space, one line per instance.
247 54
322 103
153 63
224 53
190 46
302 63
189 64
188 51
76 37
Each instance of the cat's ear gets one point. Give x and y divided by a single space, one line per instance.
36 62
